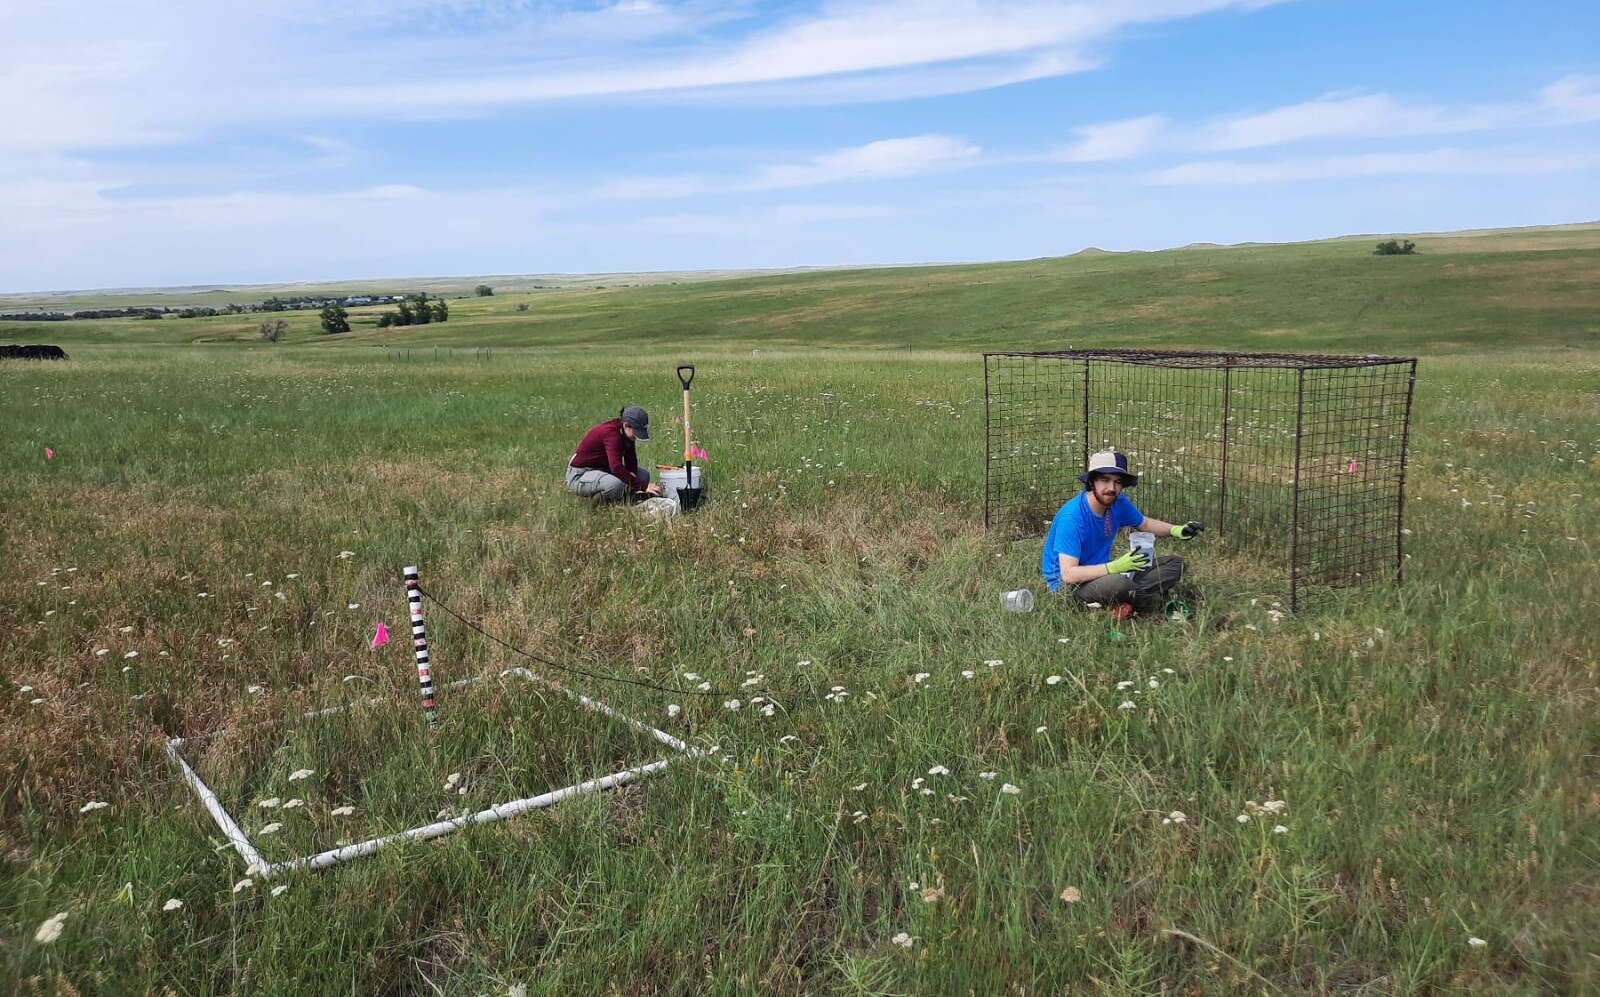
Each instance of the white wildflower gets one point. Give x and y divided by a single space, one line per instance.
938 770
1127 704
102 652
1279 829
1243 818
1153 684
1125 684
920 677
343 554
858 788
173 904
673 709
1071 895
1176 817
243 884
1040 729
1009 789
451 779
1474 941
269 803
272 828
252 689
343 811
92 805
968 674
299 774
691 677
50 930
131 654
987 775
280 889
731 704
292 804
992 662
903 940
1053 680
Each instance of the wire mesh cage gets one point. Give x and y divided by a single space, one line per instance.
1298 457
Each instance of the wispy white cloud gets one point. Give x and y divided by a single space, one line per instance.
884 159
150 70
1340 116
1114 139
1448 161
1572 99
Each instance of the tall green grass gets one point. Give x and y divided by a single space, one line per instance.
1432 742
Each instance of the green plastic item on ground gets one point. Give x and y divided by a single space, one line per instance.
1176 610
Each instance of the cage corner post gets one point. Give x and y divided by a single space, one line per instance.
1085 412
1400 491
1294 514
1227 403
988 448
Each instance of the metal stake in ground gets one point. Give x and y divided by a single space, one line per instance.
419 643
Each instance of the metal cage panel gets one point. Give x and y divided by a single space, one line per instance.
1302 454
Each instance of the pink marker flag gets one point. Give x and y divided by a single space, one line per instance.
381 637
1350 468
49 454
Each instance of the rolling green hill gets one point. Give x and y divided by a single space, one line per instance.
1522 288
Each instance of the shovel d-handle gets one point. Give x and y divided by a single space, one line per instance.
684 379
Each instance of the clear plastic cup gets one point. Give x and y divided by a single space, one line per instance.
1017 600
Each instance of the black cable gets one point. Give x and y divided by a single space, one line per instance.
567 668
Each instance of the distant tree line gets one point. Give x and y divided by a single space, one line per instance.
87 313
417 309
272 304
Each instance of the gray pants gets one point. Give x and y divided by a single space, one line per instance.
602 486
1146 589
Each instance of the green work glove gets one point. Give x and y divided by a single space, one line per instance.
1133 560
1188 531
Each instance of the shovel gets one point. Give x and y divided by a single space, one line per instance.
688 494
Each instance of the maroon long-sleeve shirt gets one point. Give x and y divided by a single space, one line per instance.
605 448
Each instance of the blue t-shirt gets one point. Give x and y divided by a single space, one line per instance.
1078 532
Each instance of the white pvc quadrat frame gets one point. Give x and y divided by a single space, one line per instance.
256 865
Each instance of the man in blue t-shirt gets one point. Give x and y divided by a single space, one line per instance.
1077 550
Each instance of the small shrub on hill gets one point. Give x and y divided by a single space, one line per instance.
1395 247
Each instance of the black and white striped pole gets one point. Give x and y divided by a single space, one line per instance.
419 644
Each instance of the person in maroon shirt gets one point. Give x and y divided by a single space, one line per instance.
605 467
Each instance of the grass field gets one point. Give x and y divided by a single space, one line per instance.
180 568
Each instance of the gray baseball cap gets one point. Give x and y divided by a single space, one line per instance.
638 420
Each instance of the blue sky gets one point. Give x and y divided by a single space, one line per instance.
186 141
